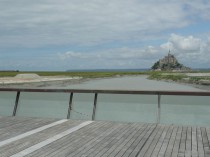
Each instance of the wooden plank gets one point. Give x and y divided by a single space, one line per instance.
138 138
9 122
113 140
123 146
29 141
194 142
183 142
155 141
171 142
188 150
12 121
72 142
6 119
208 134
100 135
31 132
138 145
106 141
208 138
51 139
165 142
205 138
205 142
81 143
118 142
150 141
200 143
175 151
20 128
13 125
97 139
160 142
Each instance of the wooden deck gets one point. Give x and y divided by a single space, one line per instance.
35 137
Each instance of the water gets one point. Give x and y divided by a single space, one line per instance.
132 83
187 110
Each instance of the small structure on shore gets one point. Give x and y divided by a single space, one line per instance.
27 76
169 63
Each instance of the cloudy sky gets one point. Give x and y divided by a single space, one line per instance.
102 34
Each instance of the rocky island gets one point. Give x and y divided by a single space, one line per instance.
169 63
169 69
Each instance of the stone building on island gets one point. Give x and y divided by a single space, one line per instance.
169 63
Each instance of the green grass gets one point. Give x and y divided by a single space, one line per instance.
157 75
8 74
72 74
197 79
178 77
169 76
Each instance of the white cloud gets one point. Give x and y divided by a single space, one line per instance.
188 44
167 46
198 9
51 22
124 57
70 54
195 54
190 51
124 53
97 23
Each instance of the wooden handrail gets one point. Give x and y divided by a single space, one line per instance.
146 92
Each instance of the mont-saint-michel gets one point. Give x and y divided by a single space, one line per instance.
169 68
169 63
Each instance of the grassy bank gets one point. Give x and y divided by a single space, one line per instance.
161 75
167 76
73 74
180 77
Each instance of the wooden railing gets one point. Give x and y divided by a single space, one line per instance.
96 92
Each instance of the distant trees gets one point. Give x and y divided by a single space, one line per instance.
155 66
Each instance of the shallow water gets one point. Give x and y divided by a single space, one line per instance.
132 83
187 110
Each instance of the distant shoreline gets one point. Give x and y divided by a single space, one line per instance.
198 86
42 82
63 83
199 79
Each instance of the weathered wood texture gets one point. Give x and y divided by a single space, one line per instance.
103 139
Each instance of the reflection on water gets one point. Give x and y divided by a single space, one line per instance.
139 108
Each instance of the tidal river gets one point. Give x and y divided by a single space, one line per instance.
186 110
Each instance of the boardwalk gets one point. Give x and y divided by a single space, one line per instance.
32 137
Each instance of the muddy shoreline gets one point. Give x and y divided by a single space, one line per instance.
44 84
65 83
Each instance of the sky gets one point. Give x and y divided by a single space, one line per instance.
59 35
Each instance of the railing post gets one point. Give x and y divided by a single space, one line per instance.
16 103
70 105
94 106
159 109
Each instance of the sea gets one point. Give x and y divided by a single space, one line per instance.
179 110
